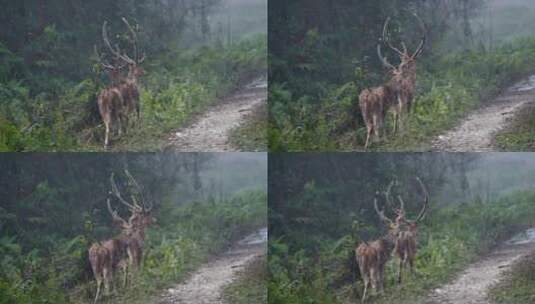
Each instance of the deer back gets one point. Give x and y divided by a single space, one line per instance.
99 258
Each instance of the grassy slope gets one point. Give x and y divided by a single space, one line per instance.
519 285
450 239
520 134
251 136
173 105
467 82
448 88
250 286
184 238
177 86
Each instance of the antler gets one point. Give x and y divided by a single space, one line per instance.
116 51
421 215
405 52
401 204
145 206
381 213
115 191
383 59
387 40
135 41
116 217
420 48
106 65
387 193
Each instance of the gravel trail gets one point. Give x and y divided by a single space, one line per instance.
476 132
210 132
470 286
206 284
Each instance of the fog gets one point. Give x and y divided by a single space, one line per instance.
492 175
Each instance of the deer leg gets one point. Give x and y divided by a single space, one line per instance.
401 113
119 126
376 125
106 273
99 283
126 122
373 279
368 135
366 283
382 280
107 134
125 275
399 270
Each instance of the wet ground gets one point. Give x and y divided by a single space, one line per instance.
206 284
471 286
210 132
476 132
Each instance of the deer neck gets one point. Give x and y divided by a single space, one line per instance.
389 241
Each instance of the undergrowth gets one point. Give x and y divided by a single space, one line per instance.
448 87
251 135
520 134
250 287
177 85
518 285
184 238
450 238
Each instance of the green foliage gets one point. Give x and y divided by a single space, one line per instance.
313 270
518 285
250 287
251 136
185 237
448 87
178 85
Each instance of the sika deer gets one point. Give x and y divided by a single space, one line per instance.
117 101
406 243
372 257
405 75
126 250
398 92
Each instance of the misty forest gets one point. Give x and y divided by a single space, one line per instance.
438 62
156 65
467 228
175 212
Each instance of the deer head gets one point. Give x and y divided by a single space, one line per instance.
113 68
393 227
407 66
401 214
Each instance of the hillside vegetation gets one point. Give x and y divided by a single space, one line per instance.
50 76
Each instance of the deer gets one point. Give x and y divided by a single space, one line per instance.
110 105
374 103
404 75
117 101
129 86
124 251
406 242
373 256
397 93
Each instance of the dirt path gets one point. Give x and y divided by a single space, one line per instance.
210 132
476 132
205 285
471 286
